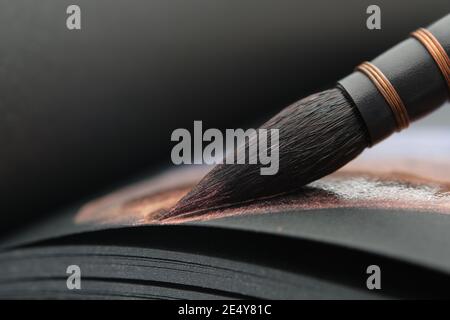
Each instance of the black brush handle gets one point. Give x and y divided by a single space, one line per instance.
414 74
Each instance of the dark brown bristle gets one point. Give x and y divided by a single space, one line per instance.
317 135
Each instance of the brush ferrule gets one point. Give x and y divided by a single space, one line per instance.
403 84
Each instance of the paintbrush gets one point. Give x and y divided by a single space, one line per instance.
322 132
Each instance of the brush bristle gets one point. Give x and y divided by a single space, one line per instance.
317 135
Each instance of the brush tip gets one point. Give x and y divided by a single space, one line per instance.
317 135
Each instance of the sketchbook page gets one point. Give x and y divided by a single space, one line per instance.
393 200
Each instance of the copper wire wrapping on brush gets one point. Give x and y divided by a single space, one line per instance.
436 51
389 93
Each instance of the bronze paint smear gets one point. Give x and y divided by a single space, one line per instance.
347 188
408 171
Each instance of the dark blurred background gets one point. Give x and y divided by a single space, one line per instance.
81 111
